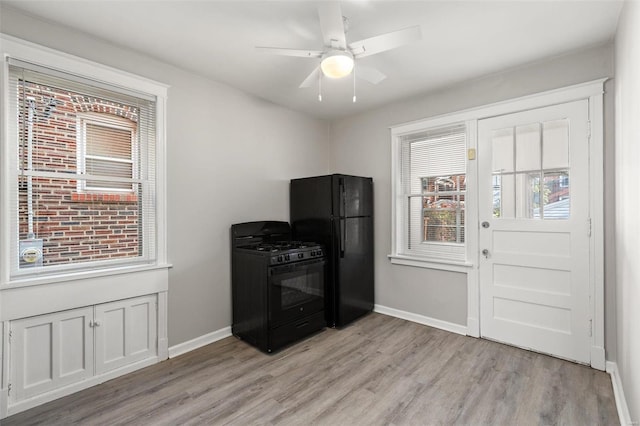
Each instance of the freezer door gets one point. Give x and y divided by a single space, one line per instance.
353 269
310 198
352 196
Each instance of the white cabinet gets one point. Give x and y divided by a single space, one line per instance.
125 332
51 353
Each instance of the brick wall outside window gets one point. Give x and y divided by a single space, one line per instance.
75 226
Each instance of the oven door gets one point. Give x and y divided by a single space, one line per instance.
295 291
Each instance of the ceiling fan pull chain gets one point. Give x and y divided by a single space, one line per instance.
354 84
319 87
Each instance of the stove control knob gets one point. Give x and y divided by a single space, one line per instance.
279 258
300 255
313 253
319 253
286 257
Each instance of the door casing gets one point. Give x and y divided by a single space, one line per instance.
594 93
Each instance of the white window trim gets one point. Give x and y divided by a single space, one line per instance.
12 47
396 256
104 120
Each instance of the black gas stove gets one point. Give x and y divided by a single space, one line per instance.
278 285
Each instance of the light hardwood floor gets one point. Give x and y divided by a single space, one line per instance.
378 371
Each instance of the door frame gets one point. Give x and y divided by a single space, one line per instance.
593 92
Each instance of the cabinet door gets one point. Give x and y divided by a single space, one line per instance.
125 332
50 351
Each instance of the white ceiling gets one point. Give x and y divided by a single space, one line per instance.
461 40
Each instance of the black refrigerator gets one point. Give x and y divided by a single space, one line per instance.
337 211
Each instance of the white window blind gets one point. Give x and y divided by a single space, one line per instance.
431 199
106 147
84 177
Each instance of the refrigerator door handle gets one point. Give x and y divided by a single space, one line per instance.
343 199
343 236
343 212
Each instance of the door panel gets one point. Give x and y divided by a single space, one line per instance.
534 261
125 332
51 351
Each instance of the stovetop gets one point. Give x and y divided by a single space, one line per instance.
279 246
281 252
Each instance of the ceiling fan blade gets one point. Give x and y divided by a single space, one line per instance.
383 42
369 74
290 52
311 78
332 25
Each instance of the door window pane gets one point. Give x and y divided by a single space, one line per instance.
527 195
504 196
557 200
555 145
502 150
528 147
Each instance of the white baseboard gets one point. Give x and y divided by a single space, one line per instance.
618 393
421 319
198 342
78 386
598 360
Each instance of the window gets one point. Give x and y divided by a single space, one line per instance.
443 208
83 185
106 147
431 192
524 157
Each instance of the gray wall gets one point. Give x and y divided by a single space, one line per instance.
231 156
230 159
627 203
361 144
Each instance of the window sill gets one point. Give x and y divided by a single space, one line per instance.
104 197
430 263
80 275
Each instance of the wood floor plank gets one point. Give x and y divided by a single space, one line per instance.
377 371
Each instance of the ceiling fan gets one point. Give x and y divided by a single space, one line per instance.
337 57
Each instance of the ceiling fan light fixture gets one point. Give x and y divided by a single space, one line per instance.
337 64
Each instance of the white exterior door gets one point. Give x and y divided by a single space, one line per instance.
535 230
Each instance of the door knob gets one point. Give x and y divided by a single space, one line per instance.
485 224
485 253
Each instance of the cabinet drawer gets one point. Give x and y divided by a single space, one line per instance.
296 330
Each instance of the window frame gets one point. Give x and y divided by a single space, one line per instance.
398 253
58 62
104 120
